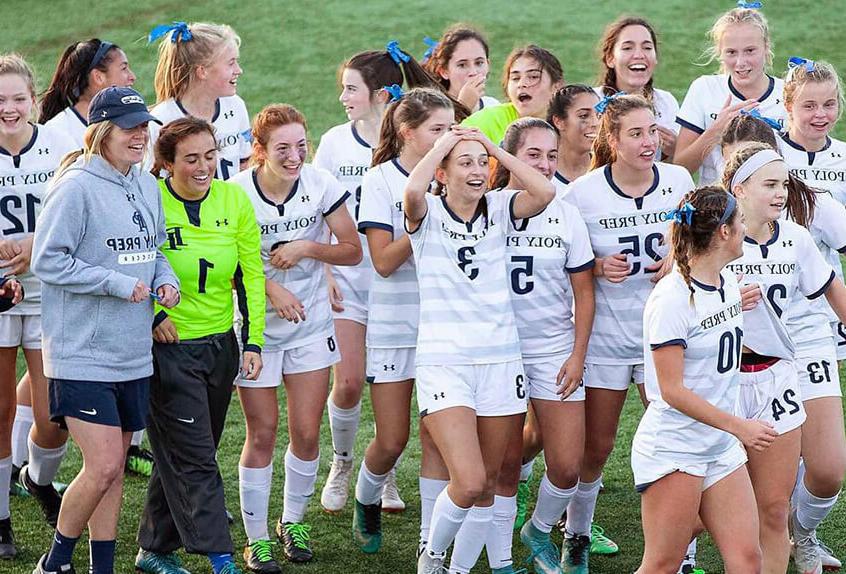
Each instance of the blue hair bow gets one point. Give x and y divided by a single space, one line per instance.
750 5
796 61
603 103
396 54
684 214
431 49
180 31
395 92
775 124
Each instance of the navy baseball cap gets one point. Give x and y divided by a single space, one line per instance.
122 106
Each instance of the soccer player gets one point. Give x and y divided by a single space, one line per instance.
95 252
212 244
197 75
742 44
572 113
624 200
686 456
296 205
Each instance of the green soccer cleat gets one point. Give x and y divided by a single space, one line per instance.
599 543
258 558
522 503
139 461
542 552
367 526
575 554
294 537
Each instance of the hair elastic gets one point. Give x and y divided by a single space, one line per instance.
796 61
750 5
775 124
684 214
753 164
396 54
395 91
101 52
603 103
731 205
180 32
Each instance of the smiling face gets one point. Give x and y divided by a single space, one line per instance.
195 161
637 140
530 87
118 73
764 194
420 140
465 172
221 76
633 58
578 129
286 151
125 148
743 54
355 95
539 149
16 105
469 62
814 110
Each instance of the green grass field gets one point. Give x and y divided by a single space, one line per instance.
290 52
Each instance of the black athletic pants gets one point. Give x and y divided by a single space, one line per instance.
189 396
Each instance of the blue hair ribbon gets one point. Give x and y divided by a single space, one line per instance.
395 91
796 61
180 32
431 49
684 214
750 5
396 54
775 124
603 103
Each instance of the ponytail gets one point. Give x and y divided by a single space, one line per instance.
409 112
609 124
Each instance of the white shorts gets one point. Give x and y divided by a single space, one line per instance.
818 374
492 390
648 469
318 355
613 377
354 308
20 331
839 330
542 375
390 365
772 395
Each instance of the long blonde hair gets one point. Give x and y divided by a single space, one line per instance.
93 143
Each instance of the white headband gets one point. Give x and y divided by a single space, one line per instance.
753 164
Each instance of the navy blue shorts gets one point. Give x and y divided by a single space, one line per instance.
124 404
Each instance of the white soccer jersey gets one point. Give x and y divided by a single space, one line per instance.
70 122
232 129
315 195
618 223
705 99
787 267
824 169
560 183
707 322
466 316
393 305
542 251
345 155
24 179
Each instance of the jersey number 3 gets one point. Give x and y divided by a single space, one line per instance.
465 262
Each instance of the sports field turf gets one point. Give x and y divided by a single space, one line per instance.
290 52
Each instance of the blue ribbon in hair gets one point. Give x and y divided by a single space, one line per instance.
603 103
796 61
180 31
775 124
750 5
683 214
395 92
431 49
396 54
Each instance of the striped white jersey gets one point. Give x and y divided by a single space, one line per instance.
618 223
232 129
24 180
466 317
707 322
345 155
560 183
705 99
824 169
393 305
316 194
70 122
787 267
542 251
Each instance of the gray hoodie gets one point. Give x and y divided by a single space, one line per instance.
97 235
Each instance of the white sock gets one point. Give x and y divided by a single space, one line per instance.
254 487
501 532
471 539
430 488
137 438
20 434
811 510
44 463
691 550
5 483
447 518
300 476
369 486
526 470
581 507
552 501
344 426
800 476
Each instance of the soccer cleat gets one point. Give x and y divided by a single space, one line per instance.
421 548
829 560
689 567
806 551
258 558
391 501
333 498
7 539
15 487
139 461
542 552
231 568
522 503
599 543
367 527
429 563
229 518
48 498
575 553
294 537
509 570
158 563
64 569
